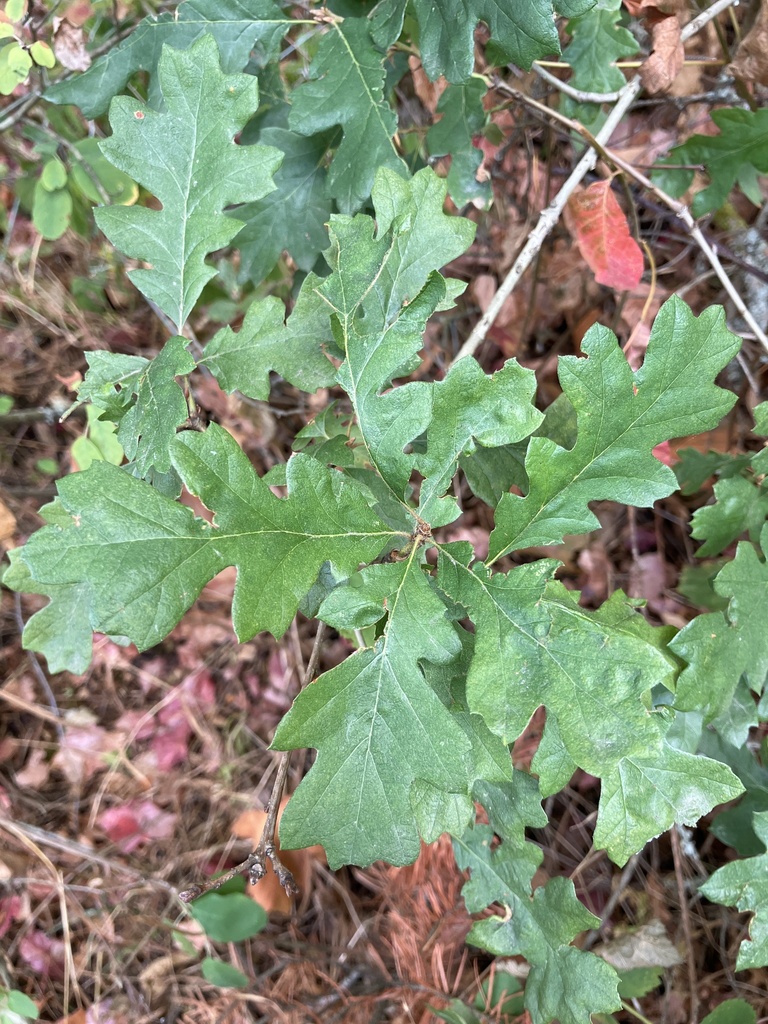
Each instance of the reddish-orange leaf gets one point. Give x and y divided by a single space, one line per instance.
600 228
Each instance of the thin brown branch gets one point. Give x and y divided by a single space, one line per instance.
255 865
685 917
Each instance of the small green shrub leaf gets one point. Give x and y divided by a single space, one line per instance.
230 917
463 117
223 974
734 155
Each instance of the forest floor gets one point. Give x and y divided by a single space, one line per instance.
120 787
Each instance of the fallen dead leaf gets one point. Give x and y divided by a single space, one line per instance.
666 61
751 60
69 45
135 823
7 522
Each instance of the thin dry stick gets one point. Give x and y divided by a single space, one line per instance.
685 917
255 865
577 94
680 210
551 215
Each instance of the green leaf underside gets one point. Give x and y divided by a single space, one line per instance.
621 417
236 25
186 156
741 507
564 982
721 646
120 528
744 884
347 89
376 724
523 30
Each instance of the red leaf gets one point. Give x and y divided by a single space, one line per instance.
43 954
135 823
602 233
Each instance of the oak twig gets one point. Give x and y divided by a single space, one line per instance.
255 865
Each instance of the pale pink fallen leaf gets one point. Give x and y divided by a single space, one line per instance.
43 954
135 823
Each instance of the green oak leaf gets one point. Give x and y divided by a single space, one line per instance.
695 468
744 884
643 796
522 30
295 215
621 417
61 631
346 88
470 408
377 725
242 360
491 472
382 289
146 557
238 26
721 646
149 426
552 762
489 759
741 506
534 645
111 380
597 42
463 117
564 982
736 155
187 158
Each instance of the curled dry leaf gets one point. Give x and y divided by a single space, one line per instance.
666 61
43 954
751 60
69 45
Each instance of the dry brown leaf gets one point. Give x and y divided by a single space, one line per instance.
69 45
7 522
666 61
78 12
751 60
428 92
